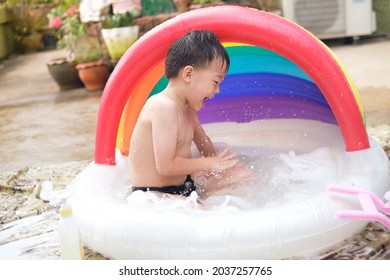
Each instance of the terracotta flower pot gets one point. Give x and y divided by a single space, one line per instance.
64 73
94 75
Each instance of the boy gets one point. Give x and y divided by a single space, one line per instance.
160 149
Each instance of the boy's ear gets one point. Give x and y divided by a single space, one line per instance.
187 73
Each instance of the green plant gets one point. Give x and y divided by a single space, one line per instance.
24 22
11 3
73 34
202 2
268 5
88 49
44 1
117 20
67 24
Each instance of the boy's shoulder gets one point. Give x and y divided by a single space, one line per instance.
160 101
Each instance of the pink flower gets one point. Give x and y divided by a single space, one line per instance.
55 22
71 11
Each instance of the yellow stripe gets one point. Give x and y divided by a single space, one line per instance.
349 79
234 44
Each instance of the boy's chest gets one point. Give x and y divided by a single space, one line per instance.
185 126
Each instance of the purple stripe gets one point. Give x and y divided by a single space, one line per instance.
242 109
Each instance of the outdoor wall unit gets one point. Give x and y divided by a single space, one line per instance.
332 18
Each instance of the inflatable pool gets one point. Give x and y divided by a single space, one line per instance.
286 106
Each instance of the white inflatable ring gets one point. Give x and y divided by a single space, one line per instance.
300 226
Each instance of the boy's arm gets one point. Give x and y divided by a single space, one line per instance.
168 163
202 140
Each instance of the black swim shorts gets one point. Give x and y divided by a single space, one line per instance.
184 189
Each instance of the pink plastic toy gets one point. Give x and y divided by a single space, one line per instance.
370 203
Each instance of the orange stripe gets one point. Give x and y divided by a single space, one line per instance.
134 106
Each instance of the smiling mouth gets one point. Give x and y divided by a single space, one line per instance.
206 99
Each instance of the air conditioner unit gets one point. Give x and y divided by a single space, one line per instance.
332 18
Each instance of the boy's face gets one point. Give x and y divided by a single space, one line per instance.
205 84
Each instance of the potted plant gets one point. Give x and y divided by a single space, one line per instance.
119 33
91 58
85 50
26 26
68 28
65 19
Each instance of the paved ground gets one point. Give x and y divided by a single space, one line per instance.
369 66
39 125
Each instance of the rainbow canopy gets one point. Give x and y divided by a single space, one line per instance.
278 70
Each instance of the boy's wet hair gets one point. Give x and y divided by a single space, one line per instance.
197 48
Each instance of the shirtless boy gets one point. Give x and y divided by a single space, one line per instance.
160 149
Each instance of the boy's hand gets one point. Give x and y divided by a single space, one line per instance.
222 161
